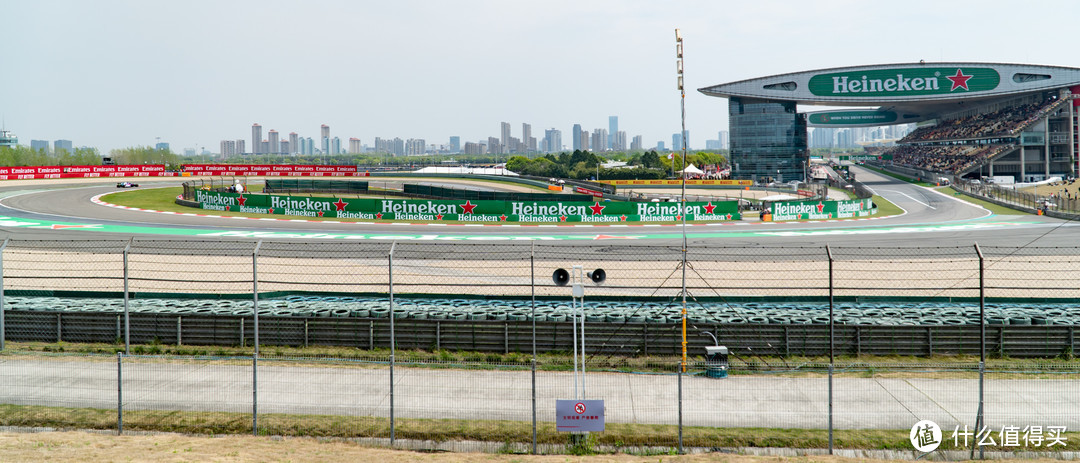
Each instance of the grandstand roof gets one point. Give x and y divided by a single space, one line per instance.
902 93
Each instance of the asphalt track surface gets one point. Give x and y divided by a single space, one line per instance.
930 218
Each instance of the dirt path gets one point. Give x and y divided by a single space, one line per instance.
73 446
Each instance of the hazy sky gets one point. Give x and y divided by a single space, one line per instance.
112 74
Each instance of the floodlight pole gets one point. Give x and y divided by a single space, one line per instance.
577 297
682 201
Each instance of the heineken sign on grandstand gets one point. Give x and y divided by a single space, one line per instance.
811 210
866 157
422 210
915 81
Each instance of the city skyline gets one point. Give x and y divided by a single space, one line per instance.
431 70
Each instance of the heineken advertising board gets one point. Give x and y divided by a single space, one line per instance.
866 157
800 210
899 82
853 117
466 211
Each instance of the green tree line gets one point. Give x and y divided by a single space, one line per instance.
26 156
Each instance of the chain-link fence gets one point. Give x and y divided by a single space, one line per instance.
501 407
765 304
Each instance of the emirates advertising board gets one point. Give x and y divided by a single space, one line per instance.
466 211
901 82
812 210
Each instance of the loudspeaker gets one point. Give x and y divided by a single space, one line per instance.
598 276
560 277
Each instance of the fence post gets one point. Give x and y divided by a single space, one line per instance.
255 354
832 346
390 274
532 286
127 313
3 307
979 418
682 367
119 393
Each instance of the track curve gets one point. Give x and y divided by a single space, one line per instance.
66 211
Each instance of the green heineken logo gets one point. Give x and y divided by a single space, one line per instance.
904 82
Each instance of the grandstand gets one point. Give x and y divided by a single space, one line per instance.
975 119
988 140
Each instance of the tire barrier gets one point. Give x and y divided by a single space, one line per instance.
754 313
658 335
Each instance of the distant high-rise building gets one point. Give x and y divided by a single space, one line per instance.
42 145
576 134
275 142
552 140
355 146
228 148
294 143
677 141
618 141
240 146
724 138
637 144
63 145
264 147
613 129
162 146
256 138
473 148
455 144
324 135
335 146
285 146
660 146
504 136
526 134
494 146
415 147
599 140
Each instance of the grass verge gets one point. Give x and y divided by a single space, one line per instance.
617 437
852 366
996 209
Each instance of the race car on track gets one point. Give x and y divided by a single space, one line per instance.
126 185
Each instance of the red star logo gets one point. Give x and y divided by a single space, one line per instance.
597 208
502 218
340 205
241 199
729 216
562 218
439 217
468 207
320 213
709 208
622 218
378 216
959 80
678 218
271 210
226 208
820 207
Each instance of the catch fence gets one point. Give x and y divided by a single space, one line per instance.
390 400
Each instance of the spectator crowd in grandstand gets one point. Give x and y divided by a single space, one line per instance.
959 158
1007 122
